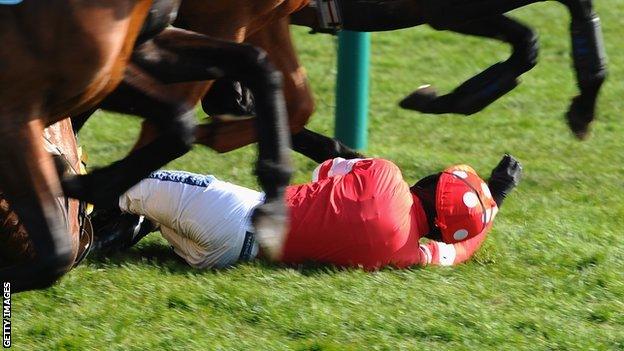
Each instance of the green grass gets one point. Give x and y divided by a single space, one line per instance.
550 277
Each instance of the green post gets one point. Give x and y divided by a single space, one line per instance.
352 88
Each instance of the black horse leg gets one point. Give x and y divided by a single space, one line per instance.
590 64
79 121
587 45
481 90
320 148
103 187
227 97
187 56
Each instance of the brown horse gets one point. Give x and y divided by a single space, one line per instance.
263 23
57 70
56 61
15 245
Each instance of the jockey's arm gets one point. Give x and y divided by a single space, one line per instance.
440 254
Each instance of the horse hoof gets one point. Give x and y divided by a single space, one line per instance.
579 120
420 99
270 221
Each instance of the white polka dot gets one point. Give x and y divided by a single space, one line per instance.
486 190
460 234
461 174
470 199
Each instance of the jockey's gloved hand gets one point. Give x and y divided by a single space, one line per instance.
505 176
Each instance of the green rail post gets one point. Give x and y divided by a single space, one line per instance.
352 89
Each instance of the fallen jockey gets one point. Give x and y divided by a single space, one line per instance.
355 213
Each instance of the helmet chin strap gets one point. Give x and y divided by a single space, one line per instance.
425 190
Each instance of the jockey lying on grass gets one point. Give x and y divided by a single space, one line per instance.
355 213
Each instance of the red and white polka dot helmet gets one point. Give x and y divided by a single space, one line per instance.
464 204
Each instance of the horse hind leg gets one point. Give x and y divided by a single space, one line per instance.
31 186
590 64
488 86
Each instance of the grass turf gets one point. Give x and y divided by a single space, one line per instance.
548 278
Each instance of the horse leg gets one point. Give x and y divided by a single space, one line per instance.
275 38
588 50
481 90
30 182
79 121
176 122
320 148
590 64
189 56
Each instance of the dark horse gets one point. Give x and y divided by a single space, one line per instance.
52 70
265 24
484 18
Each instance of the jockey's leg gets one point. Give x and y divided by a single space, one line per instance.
206 220
480 91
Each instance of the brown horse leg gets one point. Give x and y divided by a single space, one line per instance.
275 38
197 57
31 185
